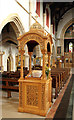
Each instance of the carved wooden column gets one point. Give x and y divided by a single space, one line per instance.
49 62
64 62
49 59
30 54
21 52
44 19
53 62
68 62
43 69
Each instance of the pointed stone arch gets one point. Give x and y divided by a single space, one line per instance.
10 63
14 19
65 28
63 33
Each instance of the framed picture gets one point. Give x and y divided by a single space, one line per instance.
59 50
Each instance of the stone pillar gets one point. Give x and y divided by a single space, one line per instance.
30 54
51 29
43 68
44 20
62 46
21 52
1 60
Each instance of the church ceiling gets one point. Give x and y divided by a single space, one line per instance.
58 9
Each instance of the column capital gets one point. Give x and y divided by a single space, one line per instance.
30 53
43 51
49 53
21 51
2 52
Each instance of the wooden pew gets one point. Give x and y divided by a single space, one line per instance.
9 84
64 72
9 81
59 77
55 84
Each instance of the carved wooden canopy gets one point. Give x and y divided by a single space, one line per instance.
35 36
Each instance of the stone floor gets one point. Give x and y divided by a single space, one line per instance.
70 111
10 107
65 108
72 70
57 109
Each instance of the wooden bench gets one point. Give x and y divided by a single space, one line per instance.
9 84
9 81
55 84
59 77
65 73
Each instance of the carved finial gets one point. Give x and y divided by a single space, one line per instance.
36 17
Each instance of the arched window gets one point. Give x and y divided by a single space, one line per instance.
38 7
70 47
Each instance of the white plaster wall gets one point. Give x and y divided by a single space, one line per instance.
45 26
66 18
49 20
33 11
26 56
9 7
25 4
40 19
